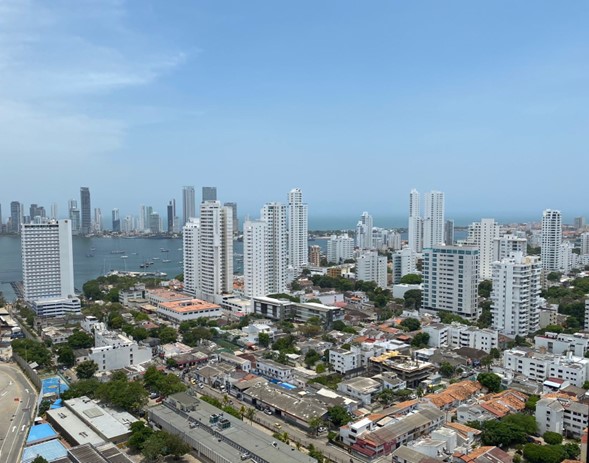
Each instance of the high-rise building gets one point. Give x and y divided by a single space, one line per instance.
16 216
188 204
415 229
585 244
171 228
54 211
36 211
86 211
449 233
506 245
233 207
145 218
155 223
298 231
48 269
209 193
274 214
516 294
97 220
450 280
116 221
74 215
579 223
551 240
340 248
433 219
403 263
255 258
483 235
208 252
315 255
372 267
364 228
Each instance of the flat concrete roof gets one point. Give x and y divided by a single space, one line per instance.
107 422
74 427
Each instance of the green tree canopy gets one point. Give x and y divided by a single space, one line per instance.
86 369
80 340
338 415
65 356
411 279
410 324
490 380
264 339
485 288
420 340
412 298
552 438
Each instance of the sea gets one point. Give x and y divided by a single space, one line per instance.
95 256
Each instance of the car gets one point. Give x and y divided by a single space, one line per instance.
201 385
277 425
268 411
154 395
321 429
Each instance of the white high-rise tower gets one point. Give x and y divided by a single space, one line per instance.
298 231
364 229
433 219
48 268
483 235
188 204
415 223
274 214
551 240
255 258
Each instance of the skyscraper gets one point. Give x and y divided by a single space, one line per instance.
15 216
516 295
209 193
86 211
372 267
415 228
97 219
364 229
233 207
48 269
483 235
74 215
171 215
274 214
255 258
54 211
450 279
208 252
340 248
449 232
188 204
298 230
433 219
551 240
116 221
579 223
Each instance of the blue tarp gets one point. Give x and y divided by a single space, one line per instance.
51 451
40 433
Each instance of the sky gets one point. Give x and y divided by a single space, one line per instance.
356 103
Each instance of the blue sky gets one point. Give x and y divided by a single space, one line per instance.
354 102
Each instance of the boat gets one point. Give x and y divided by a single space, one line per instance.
164 250
142 266
89 255
124 257
117 251
165 261
156 258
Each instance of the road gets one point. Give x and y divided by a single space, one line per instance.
17 405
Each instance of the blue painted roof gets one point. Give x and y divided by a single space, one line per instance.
51 451
41 432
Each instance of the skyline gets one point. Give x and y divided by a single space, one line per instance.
371 100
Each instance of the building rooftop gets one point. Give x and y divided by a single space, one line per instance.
52 450
40 433
362 385
192 305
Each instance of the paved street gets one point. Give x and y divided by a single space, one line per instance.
17 404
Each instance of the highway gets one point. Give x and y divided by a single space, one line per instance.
17 405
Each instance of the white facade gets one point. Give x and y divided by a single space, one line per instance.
114 351
208 252
372 267
585 243
188 204
506 245
516 295
456 335
483 235
298 231
344 361
364 229
551 240
274 214
561 344
340 248
450 280
563 416
433 219
567 259
403 263
48 268
415 228
273 370
255 258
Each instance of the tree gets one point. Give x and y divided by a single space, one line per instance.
552 438
83 387
495 353
386 396
490 380
411 279
66 356
264 339
311 358
249 414
413 298
314 424
140 433
39 459
554 276
410 324
86 369
338 415
167 334
447 370
420 340
534 453
485 288
176 446
531 402
80 340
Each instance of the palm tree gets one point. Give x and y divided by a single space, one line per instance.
315 423
242 411
250 413
225 400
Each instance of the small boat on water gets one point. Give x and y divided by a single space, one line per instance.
165 261
124 257
89 255
117 251
164 250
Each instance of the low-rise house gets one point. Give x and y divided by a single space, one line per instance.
390 380
363 389
115 350
484 455
411 371
56 335
563 416
238 362
274 370
344 361
454 395
191 309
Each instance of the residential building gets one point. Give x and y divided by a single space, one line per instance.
433 219
114 350
48 268
370 266
275 309
16 216
516 295
363 389
233 207
274 214
364 232
155 223
506 245
188 204
298 231
415 228
209 193
403 262
483 235
273 370
551 240
85 217
449 233
340 248
562 344
208 252
315 255
327 314
171 216
586 314
344 361
456 335
450 280
585 243
562 416
97 224
116 221
179 311
255 258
